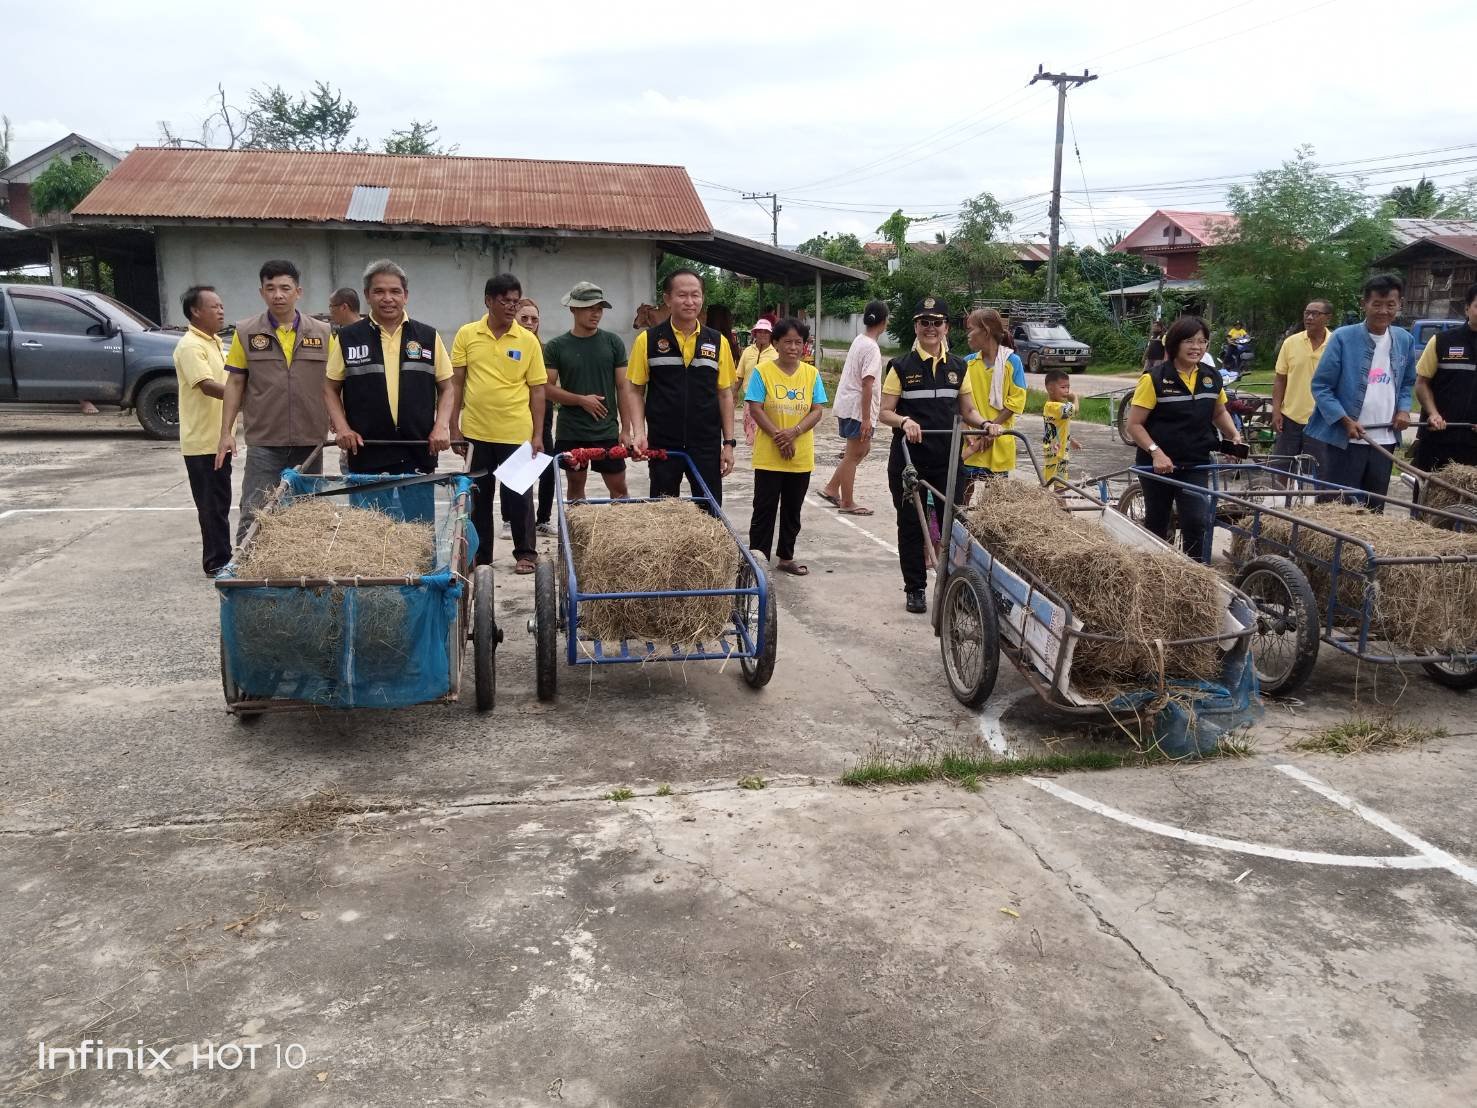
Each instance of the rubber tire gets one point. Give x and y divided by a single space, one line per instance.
546 629
967 584
1461 682
1120 423
1131 504
1033 362
156 401
232 691
758 671
484 637
1300 593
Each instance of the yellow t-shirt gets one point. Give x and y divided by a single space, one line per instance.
1426 367
500 371
787 399
198 358
1296 361
1143 392
390 345
638 371
999 456
752 357
287 336
1056 417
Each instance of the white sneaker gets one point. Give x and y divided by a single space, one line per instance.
507 530
547 529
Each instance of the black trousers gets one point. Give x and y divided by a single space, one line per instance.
546 478
782 493
1359 467
666 476
211 489
1162 499
517 506
910 536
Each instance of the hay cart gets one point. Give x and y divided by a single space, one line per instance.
985 604
751 637
364 642
1291 621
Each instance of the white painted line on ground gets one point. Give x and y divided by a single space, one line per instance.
990 729
839 518
1260 850
1436 856
38 511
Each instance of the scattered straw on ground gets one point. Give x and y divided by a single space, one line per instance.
1427 608
660 546
1462 477
1141 596
1360 735
319 537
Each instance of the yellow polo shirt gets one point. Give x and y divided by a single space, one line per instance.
287 336
500 371
1143 393
1296 361
198 358
752 357
1426 367
638 372
390 345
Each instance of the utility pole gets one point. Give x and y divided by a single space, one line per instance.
1062 81
774 211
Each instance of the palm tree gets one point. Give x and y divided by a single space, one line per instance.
1419 201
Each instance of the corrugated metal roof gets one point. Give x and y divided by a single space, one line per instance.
1407 230
1462 245
431 191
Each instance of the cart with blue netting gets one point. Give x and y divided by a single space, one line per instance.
364 642
750 638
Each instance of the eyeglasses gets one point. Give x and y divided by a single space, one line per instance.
1314 311
510 301
929 322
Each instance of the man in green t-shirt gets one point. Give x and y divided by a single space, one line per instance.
587 379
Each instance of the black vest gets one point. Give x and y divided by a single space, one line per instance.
367 400
1183 420
1454 389
682 400
930 397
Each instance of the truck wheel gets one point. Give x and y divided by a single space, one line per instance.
157 405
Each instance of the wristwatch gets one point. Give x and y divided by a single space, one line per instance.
730 442
1153 447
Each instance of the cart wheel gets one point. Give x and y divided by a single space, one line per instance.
232 690
969 637
484 637
1131 504
1285 644
546 629
1454 675
758 671
1120 421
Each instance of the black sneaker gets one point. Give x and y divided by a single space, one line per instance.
916 602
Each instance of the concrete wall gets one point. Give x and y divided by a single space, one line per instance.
446 272
840 330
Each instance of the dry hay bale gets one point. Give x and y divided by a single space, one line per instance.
657 546
1417 608
1462 476
1141 596
318 537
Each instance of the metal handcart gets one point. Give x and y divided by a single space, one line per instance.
985 604
1291 620
751 637
363 642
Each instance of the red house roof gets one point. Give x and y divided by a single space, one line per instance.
1196 230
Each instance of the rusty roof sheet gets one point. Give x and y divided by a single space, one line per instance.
155 183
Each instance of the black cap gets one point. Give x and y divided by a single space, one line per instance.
931 305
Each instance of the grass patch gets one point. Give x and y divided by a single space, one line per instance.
1361 734
619 794
755 782
966 769
664 790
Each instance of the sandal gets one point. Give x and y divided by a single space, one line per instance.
793 568
524 566
829 499
854 510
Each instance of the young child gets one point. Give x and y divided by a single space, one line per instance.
1056 414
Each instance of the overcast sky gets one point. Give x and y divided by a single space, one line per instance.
848 110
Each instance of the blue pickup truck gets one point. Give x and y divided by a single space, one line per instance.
60 345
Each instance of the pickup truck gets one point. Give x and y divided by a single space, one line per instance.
61 345
1044 346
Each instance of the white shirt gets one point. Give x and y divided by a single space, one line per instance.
863 360
1379 396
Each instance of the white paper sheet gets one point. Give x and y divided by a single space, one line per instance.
522 468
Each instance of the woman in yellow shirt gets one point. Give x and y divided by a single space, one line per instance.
784 398
997 383
760 350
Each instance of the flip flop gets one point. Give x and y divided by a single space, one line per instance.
524 566
829 499
794 569
854 510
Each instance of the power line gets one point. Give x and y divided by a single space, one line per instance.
1076 149
1229 34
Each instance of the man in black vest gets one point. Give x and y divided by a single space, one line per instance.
1446 386
681 376
921 391
389 377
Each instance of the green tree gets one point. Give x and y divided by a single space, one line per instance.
319 120
418 138
981 257
1459 202
1299 234
895 230
1418 201
64 183
847 297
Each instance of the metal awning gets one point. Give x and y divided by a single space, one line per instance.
761 261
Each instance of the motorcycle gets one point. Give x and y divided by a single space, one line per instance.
1238 353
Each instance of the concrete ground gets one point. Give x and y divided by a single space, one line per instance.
431 906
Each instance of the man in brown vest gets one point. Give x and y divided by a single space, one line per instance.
275 375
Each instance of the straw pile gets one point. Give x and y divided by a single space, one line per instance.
659 546
1463 477
1418 608
318 537
1136 594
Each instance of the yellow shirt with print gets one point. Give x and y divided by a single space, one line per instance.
198 358
390 345
788 398
638 370
1056 434
287 336
1143 392
500 371
1296 361
751 357
999 456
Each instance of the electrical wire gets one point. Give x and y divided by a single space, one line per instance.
1076 149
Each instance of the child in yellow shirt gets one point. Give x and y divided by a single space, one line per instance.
1056 414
